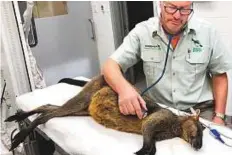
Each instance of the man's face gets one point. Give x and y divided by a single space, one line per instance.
172 19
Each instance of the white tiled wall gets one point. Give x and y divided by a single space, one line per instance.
220 14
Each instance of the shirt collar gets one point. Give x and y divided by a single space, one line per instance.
192 27
157 28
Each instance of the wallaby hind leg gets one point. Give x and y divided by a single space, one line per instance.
21 115
43 118
81 113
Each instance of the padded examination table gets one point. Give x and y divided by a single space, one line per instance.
82 135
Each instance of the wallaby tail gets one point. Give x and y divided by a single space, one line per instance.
43 118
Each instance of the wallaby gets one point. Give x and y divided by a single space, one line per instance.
99 101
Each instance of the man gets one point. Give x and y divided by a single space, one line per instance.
196 52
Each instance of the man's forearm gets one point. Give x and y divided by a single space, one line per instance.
220 89
113 75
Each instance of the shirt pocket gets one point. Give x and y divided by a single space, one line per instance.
197 62
152 62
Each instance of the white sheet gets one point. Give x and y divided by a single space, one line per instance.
82 135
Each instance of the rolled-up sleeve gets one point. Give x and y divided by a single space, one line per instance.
221 57
128 53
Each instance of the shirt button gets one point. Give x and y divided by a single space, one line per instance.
174 90
174 57
173 73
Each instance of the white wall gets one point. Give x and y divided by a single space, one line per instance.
65 47
13 71
13 56
220 14
104 29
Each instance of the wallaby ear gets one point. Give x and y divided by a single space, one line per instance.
197 114
198 111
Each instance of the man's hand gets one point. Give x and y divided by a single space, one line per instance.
218 120
130 102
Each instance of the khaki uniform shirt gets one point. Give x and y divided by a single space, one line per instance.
186 80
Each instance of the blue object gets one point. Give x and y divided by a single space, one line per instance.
216 135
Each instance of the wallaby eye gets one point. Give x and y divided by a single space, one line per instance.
193 133
192 137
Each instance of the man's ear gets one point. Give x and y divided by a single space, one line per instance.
160 4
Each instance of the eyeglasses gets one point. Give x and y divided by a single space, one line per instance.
172 10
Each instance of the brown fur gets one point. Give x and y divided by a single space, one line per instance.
101 102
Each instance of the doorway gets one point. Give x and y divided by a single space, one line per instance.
136 12
66 44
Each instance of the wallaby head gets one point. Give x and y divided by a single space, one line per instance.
192 131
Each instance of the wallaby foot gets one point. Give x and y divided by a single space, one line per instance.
18 138
21 115
43 118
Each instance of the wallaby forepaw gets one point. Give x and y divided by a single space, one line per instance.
146 152
141 152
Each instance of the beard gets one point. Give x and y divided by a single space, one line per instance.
172 26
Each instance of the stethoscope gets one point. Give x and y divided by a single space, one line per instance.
170 36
